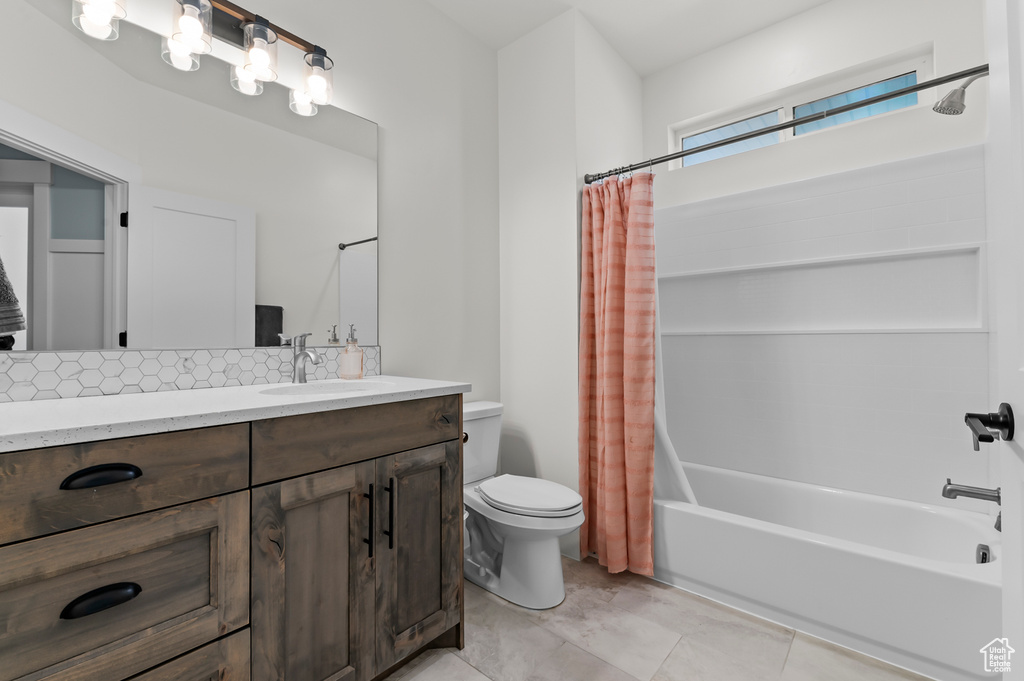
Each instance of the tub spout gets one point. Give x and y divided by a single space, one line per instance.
951 491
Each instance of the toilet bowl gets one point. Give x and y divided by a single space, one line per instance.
512 523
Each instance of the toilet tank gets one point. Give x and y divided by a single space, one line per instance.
482 422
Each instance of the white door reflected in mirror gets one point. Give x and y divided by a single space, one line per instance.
191 271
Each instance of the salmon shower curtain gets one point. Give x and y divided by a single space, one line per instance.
616 373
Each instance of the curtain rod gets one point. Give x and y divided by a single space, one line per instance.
976 71
342 247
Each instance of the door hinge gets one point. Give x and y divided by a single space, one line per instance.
124 219
122 339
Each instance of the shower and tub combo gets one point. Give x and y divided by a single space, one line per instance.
914 584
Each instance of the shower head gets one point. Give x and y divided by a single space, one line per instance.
953 103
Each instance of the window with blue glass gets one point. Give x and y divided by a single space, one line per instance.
732 130
857 95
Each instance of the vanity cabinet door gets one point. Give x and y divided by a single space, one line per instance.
419 545
312 577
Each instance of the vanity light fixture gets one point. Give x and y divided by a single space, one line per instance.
318 76
260 49
196 22
98 18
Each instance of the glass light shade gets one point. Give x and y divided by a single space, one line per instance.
318 76
301 103
193 25
261 51
177 54
245 82
98 18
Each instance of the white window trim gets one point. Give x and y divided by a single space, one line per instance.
919 59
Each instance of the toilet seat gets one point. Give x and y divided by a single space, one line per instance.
530 496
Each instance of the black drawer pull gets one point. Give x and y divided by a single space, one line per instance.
100 599
103 474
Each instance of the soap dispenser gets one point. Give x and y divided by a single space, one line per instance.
350 361
332 336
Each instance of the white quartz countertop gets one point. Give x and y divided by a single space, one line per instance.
48 423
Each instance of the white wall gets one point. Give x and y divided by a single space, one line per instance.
537 160
832 37
832 331
568 104
432 89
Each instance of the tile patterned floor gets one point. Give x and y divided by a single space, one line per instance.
629 628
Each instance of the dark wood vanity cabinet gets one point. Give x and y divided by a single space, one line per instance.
358 566
336 535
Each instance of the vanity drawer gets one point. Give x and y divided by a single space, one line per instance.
296 445
224 660
175 468
110 601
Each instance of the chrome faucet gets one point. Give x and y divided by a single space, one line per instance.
299 355
951 491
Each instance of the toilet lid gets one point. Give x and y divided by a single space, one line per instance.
530 496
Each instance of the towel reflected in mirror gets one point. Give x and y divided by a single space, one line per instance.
11 316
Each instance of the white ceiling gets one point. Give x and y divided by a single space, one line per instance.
649 34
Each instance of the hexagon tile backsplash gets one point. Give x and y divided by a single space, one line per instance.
52 375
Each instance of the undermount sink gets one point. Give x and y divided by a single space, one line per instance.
327 388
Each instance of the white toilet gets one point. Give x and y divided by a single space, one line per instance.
512 523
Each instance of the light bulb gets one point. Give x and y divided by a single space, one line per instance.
99 12
182 62
301 103
258 55
178 48
180 55
190 25
245 81
261 50
318 76
316 83
94 30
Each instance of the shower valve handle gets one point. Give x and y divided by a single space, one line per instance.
980 425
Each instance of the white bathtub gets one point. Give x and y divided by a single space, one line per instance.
893 579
